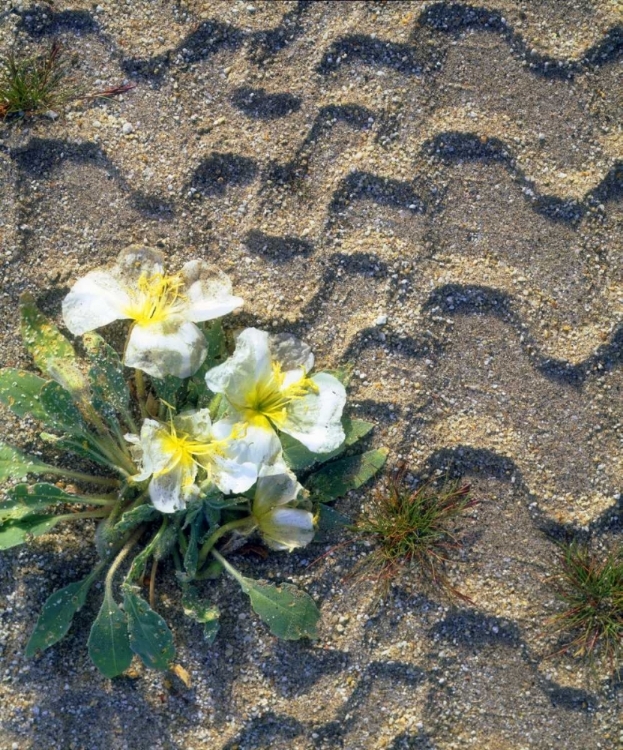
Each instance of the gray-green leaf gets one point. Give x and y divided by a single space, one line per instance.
28 498
109 640
61 410
14 464
58 613
20 391
336 479
299 458
14 533
41 337
289 612
107 375
135 517
150 636
202 612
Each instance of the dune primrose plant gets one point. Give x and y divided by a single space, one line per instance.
190 453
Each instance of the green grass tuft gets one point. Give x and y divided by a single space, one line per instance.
33 85
413 529
591 588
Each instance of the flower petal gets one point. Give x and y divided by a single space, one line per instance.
287 528
290 352
250 442
136 261
166 491
249 364
316 419
196 423
173 348
94 301
276 485
231 476
208 292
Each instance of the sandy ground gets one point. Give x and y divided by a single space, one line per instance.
429 191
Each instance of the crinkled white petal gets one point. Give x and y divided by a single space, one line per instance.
316 419
172 348
136 261
94 301
208 292
287 528
249 364
231 476
256 444
149 447
291 352
276 485
196 423
168 491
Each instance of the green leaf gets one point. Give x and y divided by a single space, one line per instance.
45 343
289 612
20 391
14 533
216 344
61 410
26 498
168 389
150 636
109 640
14 464
202 612
329 520
57 614
135 517
296 455
337 478
191 558
106 374
78 445
299 458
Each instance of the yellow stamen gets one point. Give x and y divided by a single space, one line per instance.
269 399
185 450
158 298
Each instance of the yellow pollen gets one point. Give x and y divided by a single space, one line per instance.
269 399
186 451
158 298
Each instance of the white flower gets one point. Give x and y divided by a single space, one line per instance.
173 454
265 383
282 526
164 339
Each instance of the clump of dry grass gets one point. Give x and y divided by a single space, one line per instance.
591 589
413 529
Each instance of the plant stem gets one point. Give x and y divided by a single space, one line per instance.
213 539
141 391
125 550
81 477
101 513
152 583
229 568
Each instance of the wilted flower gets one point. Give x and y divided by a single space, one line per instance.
174 453
266 384
282 525
164 338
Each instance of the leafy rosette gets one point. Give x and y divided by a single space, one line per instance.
209 451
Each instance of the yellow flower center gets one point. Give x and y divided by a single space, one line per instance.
186 451
158 298
269 399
